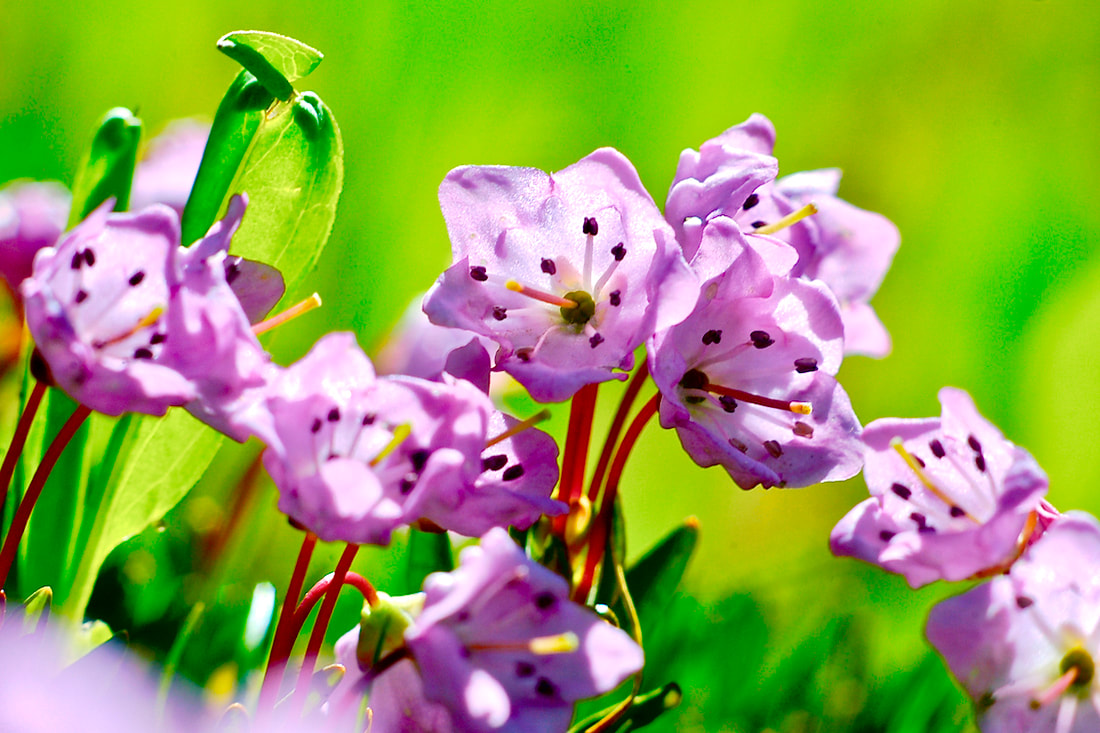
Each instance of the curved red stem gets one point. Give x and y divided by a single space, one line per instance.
320 625
34 489
19 439
277 657
575 453
314 594
617 423
597 537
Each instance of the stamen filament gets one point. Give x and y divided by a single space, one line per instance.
1055 691
541 645
519 427
545 297
792 218
313 301
400 433
916 468
800 408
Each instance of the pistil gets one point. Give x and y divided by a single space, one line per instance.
519 427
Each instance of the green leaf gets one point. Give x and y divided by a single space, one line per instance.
151 465
653 579
108 166
643 710
293 175
428 552
36 609
236 123
273 59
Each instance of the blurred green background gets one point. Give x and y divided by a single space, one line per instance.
972 125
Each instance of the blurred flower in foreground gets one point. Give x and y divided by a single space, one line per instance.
105 691
950 497
1025 645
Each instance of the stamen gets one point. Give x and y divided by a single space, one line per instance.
400 433
545 297
917 468
1056 690
313 301
519 427
800 408
152 317
541 645
792 218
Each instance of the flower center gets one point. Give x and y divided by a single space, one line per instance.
583 310
1077 658
728 396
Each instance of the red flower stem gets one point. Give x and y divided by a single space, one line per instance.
19 439
627 402
277 658
321 623
597 536
575 453
314 594
34 490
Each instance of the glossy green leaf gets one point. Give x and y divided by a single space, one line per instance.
273 59
428 552
236 123
653 579
150 466
292 175
108 166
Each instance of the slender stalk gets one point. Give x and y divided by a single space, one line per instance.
19 439
602 523
320 625
631 394
575 453
277 658
314 594
34 490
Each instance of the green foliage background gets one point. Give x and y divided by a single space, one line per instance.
971 124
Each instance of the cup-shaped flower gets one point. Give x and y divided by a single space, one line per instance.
747 379
500 644
845 247
950 497
96 306
568 272
1025 645
355 456
209 339
32 216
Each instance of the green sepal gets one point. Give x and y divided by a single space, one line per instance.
642 711
382 627
427 553
654 578
107 170
274 60
236 123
